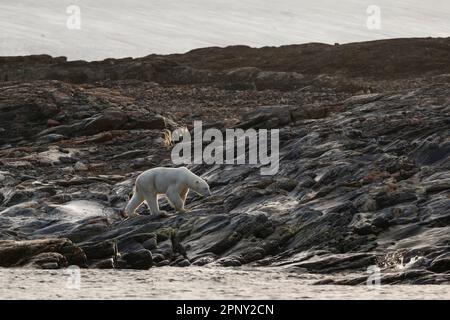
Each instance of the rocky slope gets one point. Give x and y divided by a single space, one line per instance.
364 160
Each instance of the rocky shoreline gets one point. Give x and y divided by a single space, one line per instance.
364 173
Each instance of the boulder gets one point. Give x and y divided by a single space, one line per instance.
19 253
141 259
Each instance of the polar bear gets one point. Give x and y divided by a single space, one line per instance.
173 182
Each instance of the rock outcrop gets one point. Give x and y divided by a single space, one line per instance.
364 176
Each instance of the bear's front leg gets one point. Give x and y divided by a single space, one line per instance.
183 194
175 199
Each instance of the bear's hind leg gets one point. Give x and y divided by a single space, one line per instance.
152 202
135 201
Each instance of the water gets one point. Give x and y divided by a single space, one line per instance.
159 26
194 283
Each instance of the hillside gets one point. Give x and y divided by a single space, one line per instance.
364 160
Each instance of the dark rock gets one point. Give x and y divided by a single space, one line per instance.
18 253
158 258
333 263
103 264
183 263
177 247
12 197
150 244
129 154
99 250
437 185
163 263
441 263
203 260
431 152
68 160
53 123
50 265
50 138
141 259
47 260
386 199
231 261
109 120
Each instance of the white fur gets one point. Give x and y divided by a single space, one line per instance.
172 182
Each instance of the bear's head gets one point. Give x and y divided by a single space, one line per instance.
201 187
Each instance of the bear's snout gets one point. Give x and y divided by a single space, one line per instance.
207 193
